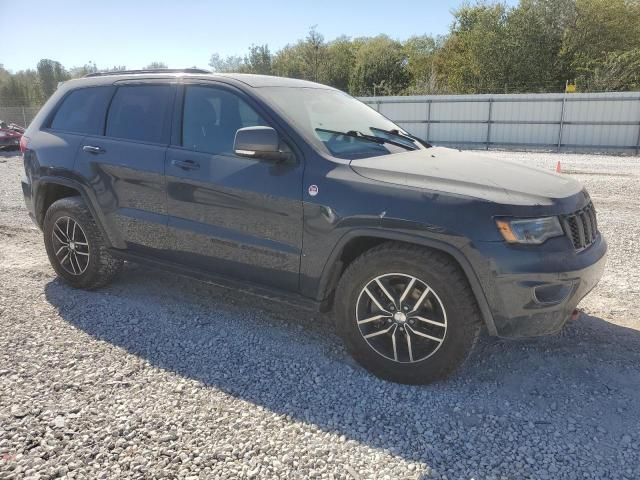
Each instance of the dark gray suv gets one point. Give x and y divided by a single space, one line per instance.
299 191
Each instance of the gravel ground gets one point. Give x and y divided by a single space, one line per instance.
159 376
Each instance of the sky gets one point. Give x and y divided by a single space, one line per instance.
185 33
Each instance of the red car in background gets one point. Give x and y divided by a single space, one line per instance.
10 135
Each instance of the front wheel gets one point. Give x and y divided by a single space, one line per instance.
407 314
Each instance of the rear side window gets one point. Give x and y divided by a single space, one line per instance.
141 112
83 111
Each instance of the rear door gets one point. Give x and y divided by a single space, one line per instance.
232 215
80 113
126 165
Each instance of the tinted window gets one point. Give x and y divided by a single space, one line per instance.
211 118
141 112
83 110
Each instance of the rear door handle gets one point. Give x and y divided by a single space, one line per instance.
93 149
186 164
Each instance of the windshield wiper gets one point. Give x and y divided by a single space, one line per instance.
367 138
408 136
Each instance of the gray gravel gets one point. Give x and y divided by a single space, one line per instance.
159 376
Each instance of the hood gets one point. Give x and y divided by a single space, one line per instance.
462 173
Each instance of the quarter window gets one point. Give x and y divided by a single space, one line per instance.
83 111
211 118
141 112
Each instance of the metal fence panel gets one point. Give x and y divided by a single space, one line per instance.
596 122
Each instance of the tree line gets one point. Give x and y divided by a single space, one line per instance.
535 46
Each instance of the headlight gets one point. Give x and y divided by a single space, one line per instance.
530 230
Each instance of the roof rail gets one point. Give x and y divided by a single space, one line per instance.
149 70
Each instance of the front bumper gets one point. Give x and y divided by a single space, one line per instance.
533 292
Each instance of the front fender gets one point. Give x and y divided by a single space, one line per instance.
324 282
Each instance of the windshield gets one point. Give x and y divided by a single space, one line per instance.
338 123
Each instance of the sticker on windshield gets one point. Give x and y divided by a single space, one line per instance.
313 190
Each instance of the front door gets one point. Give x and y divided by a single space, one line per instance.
231 215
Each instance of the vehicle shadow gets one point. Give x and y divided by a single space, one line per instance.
291 362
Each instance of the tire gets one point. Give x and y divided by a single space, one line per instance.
442 324
94 266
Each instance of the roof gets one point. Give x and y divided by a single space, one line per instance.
258 81
252 80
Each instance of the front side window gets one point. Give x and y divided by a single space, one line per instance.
83 111
141 113
211 117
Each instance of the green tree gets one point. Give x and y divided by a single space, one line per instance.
50 73
20 89
615 71
76 72
471 60
258 60
379 68
421 53
289 62
156 66
338 63
535 31
314 53
232 63
598 38
306 59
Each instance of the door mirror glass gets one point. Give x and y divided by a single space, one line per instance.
258 142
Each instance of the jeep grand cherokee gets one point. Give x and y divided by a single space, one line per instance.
302 192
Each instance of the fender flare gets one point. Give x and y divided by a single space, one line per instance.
324 283
89 199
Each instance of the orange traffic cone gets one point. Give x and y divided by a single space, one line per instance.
558 168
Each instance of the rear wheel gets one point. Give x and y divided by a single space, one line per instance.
75 245
407 314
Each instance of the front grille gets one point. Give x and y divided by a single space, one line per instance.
582 227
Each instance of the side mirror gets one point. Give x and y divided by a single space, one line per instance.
258 142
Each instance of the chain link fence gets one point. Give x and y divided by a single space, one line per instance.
19 115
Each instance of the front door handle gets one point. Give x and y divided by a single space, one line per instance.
93 149
186 164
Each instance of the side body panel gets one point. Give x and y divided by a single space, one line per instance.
336 201
236 216
51 154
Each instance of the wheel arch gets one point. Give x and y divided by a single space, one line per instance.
50 192
356 242
51 189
